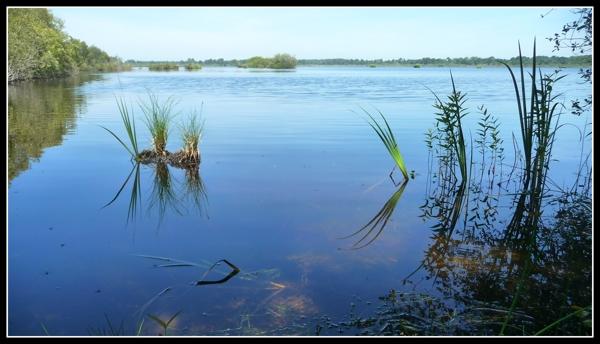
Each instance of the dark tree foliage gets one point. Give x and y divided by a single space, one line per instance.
577 36
38 48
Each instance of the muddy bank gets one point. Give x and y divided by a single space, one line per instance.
178 159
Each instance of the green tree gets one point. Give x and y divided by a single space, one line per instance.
39 48
283 61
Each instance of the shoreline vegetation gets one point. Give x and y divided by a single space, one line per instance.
39 48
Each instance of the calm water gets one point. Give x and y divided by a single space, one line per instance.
288 168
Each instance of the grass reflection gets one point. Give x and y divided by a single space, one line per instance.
371 231
165 192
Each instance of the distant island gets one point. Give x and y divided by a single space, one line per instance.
279 61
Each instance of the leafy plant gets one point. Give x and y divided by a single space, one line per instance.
449 124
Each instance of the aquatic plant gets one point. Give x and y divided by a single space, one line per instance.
129 123
410 313
488 138
449 124
158 117
191 133
387 137
538 126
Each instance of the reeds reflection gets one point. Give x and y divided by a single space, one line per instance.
371 231
166 192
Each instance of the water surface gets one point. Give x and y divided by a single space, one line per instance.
289 166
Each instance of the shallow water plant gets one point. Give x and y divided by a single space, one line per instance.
158 118
387 137
129 123
538 126
449 124
191 133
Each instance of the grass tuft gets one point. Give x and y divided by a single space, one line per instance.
191 133
129 123
158 118
387 137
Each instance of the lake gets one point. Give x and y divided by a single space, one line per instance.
290 170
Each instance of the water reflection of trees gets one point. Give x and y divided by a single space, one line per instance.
40 113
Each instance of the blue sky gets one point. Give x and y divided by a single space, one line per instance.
317 32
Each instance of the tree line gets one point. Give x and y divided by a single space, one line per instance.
260 62
38 48
279 61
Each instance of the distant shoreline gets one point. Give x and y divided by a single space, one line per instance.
396 66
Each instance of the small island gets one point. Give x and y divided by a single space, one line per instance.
163 67
279 61
193 66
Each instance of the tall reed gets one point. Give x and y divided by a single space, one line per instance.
538 126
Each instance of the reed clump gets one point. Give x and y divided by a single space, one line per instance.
191 133
158 118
